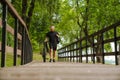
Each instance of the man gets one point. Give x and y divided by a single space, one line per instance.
51 37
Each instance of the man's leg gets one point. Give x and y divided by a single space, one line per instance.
54 54
54 51
50 53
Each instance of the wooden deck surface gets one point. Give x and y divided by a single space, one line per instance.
61 71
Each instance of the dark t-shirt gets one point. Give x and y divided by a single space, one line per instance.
52 36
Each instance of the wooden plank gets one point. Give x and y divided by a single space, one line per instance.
90 55
106 29
61 71
10 30
10 50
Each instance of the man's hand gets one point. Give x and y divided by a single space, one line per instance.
46 40
57 35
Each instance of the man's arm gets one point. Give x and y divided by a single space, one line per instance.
57 34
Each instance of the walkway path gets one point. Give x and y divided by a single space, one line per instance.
61 71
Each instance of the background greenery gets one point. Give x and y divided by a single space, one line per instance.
72 18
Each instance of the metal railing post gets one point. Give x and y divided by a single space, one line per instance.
73 53
23 42
115 42
67 54
25 49
4 23
103 60
86 52
80 52
70 54
77 52
93 50
15 42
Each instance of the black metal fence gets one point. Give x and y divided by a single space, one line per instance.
93 47
26 47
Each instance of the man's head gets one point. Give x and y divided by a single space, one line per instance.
52 28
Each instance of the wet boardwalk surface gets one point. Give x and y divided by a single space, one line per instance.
61 71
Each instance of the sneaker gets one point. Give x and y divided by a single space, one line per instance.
50 60
53 60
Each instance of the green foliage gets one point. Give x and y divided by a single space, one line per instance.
10 40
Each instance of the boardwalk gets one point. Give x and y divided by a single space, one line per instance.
61 71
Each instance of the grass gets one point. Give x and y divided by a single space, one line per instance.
38 57
9 60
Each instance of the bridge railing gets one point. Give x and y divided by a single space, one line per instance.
92 46
21 35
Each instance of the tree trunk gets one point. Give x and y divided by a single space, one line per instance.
99 49
30 13
119 55
24 9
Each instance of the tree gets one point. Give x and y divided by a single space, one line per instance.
27 16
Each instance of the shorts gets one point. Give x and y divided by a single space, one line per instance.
53 46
